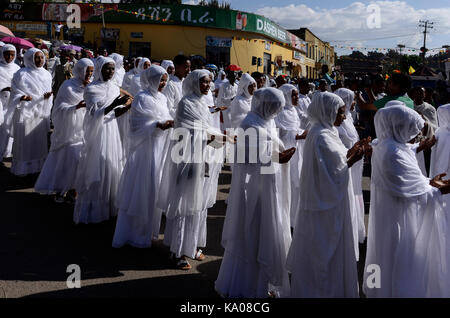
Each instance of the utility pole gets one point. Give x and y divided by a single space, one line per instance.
427 25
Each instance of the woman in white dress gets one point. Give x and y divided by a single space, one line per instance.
31 100
241 105
349 137
256 234
135 85
440 155
408 238
322 254
126 83
292 135
101 161
184 175
138 221
60 168
8 68
119 73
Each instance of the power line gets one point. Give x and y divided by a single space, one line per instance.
381 38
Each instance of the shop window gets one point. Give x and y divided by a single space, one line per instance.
219 56
140 49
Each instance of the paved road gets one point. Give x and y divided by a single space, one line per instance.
38 240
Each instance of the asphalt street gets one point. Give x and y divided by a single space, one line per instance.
39 240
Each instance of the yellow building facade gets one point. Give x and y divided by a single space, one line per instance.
279 53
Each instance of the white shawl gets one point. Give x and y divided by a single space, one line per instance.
67 119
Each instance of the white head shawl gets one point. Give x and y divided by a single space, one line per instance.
399 123
79 70
151 77
166 64
118 59
140 67
324 108
99 63
288 118
267 103
219 81
245 81
347 130
7 70
192 110
28 58
287 90
443 113
394 165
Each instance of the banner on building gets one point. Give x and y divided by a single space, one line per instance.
218 42
110 34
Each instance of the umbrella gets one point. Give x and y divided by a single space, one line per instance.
24 44
233 68
4 31
211 66
71 47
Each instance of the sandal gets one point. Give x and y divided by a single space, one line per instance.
183 265
199 256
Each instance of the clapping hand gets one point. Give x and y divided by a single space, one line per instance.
426 144
81 104
443 185
165 125
286 155
302 136
26 98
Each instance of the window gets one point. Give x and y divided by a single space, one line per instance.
140 49
219 56
267 63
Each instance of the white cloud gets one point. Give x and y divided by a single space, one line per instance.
350 23
193 2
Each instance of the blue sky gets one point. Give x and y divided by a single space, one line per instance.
344 22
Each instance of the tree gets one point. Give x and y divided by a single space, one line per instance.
215 4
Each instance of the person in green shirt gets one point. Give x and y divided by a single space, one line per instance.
398 85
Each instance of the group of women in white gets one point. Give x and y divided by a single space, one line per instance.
304 217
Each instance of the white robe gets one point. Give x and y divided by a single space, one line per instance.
174 92
227 93
138 219
289 124
59 171
349 137
182 195
215 156
322 254
407 236
440 154
302 109
7 70
30 119
256 234
101 162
